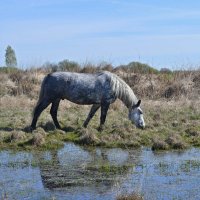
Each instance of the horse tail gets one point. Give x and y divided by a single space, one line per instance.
42 92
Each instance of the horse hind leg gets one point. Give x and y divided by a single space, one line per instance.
54 111
38 110
93 110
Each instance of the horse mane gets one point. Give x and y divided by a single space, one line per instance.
122 90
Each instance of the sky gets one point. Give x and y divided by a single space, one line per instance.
163 34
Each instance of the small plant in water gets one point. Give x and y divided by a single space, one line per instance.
133 196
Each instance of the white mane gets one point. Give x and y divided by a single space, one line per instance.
122 91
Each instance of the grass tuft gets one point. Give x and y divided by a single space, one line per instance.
133 196
159 145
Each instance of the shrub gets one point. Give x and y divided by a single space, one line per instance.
67 65
24 83
49 67
89 68
137 67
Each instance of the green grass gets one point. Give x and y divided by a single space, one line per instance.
170 125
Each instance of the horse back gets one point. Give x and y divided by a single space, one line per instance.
79 87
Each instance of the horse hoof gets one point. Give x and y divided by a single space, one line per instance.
100 129
58 127
84 126
29 129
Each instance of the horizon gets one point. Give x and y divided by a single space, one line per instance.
160 34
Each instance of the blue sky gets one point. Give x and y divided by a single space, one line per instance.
159 33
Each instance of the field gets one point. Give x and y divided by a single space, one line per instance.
170 101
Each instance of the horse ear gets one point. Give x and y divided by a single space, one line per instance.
138 103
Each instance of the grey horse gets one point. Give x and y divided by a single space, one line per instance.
99 90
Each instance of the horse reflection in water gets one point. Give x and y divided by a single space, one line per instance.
99 90
99 169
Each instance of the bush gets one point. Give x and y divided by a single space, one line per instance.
67 65
89 68
137 67
24 83
49 67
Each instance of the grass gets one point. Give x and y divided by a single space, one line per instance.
133 196
170 125
172 121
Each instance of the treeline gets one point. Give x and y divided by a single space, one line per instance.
66 65
72 66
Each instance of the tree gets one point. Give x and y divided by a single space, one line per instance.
10 57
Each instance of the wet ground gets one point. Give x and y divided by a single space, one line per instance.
80 173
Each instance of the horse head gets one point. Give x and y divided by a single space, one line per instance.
136 115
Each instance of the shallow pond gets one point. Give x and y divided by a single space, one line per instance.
79 173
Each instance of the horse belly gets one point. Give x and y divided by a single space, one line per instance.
83 96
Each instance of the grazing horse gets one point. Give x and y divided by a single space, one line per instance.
100 90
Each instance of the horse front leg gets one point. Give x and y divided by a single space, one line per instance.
104 110
93 110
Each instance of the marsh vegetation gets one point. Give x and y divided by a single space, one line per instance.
170 101
77 162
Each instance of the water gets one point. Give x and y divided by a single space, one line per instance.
79 173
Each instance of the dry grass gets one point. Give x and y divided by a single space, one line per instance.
180 84
133 196
38 138
88 137
172 115
159 145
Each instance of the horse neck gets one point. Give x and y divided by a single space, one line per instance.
129 99
125 93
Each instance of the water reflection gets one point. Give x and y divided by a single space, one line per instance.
75 166
76 172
